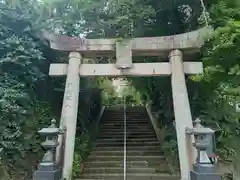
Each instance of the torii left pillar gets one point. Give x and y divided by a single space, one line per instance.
69 115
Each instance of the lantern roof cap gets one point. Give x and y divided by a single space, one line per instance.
199 129
51 130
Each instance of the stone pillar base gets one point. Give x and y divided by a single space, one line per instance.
48 172
204 172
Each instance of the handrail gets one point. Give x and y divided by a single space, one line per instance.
125 135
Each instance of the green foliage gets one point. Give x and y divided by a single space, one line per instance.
77 165
218 89
83 148
86 127
19 55
171 152
108 92
22 70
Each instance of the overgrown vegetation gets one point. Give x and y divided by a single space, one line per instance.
29 98
23 107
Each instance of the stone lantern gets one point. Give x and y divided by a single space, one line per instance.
47 169
238 107
203 169
210 138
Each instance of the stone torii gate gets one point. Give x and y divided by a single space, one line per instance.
175 48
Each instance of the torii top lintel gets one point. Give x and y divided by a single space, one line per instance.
144 46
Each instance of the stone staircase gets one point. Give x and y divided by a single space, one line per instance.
144 158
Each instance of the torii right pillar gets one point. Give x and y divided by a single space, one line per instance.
182 113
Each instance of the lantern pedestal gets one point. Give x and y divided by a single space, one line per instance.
204 172
47 172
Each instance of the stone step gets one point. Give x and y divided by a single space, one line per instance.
129 148
137 115
127 125
103 170
121 133
113 114
117 108
127 112
137 111
132 143
122 125
128 135
121 136
128 120
131 114
112 139
133 164
121 122
128 140
128 153
110 133
121 170
134 116
129 129
131 176
156 157
152 176
102 158
109 114
137 118
113 118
